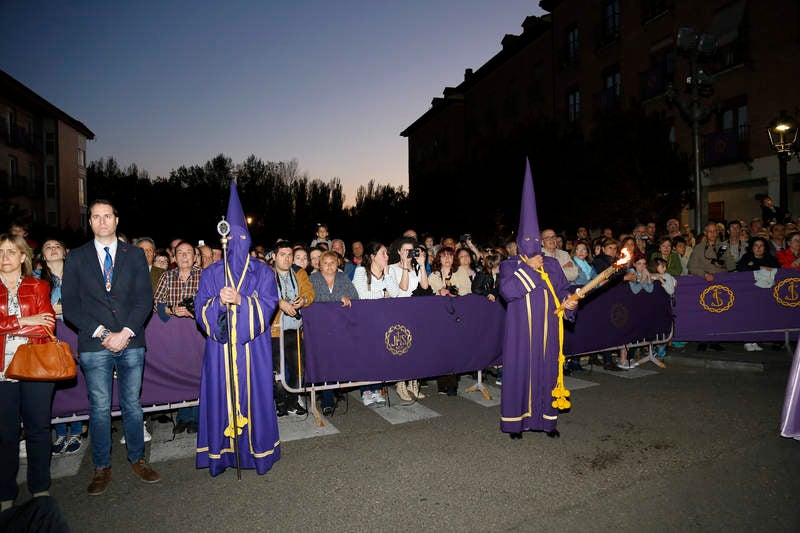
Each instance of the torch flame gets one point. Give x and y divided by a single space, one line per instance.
623 260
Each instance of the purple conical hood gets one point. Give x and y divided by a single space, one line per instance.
239 242
529 238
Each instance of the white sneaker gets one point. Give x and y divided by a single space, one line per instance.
380 401
147 436
23 450
368 398
748 346
757 347
59 446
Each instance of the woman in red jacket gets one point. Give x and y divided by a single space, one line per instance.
25 313
789 257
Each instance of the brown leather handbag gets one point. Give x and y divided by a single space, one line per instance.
51 361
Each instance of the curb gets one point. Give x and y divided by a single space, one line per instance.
739 366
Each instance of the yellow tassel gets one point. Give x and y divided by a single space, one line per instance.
560 393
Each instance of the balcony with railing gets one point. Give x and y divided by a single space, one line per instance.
654 82
726 146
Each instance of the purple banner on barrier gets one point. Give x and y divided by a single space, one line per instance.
403 338
172 367
614 316
734 308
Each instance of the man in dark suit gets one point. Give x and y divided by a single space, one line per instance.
107 296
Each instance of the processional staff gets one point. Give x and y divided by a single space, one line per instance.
224 229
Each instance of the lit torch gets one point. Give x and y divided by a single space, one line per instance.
600 278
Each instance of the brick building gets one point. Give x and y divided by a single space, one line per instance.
43 173
587 58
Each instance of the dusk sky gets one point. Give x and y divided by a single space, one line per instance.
332 84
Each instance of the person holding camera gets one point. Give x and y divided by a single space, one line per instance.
174 298
445 279
710 256
409 272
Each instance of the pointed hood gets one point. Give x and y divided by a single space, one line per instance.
529 238
239 238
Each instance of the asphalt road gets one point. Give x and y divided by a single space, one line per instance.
683 449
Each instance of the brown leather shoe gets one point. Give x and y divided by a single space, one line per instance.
100 481
144 472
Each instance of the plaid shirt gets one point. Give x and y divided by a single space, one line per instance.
171 290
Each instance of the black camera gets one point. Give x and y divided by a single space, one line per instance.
452 289
188 303
414 252
720 254
466 237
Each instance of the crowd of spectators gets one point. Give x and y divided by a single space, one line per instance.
324 270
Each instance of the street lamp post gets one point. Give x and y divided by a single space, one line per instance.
694 111
782 133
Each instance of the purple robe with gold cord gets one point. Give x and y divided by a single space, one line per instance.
259 444
530 345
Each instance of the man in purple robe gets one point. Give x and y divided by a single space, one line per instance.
248 285
534 286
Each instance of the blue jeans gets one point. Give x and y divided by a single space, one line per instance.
98 368
73 427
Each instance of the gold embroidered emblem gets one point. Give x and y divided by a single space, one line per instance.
398 339
619 315
787 292
717 299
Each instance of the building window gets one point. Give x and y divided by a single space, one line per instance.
50 143
573 45
574 105
731 142
655 80
730 28
51 218
536 90
82 191
511 104
612 79
13 168
81 158
611 22
50 181
611 17
734 117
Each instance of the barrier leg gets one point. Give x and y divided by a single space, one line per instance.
480 386
314 409
652 358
